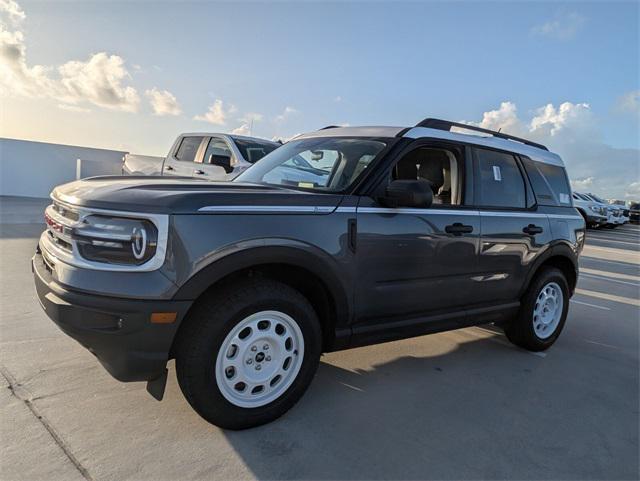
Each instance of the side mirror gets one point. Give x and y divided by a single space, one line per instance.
408 193
222 161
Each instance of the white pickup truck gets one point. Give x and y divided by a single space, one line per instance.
209 156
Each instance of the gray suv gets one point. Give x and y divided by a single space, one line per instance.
340 238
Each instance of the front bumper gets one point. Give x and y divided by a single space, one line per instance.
593 219
117 331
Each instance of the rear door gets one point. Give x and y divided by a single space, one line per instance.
514 233
182 158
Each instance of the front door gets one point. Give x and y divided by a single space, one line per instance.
416 262
217 162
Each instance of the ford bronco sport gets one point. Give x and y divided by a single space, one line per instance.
342 237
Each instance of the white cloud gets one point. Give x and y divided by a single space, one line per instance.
338 99
286 113
630 102
244 129
247 122
73 108
570 130
99 81
582 185
163 102
563 26
505 118
632 191
13 10
216 114
552 121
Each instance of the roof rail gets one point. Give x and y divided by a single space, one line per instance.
330 127
446 125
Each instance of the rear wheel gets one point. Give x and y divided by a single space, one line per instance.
543 312
247 354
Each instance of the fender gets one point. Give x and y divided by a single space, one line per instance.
560 248
273 251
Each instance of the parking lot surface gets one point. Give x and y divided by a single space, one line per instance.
458 405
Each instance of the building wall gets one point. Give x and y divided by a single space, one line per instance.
33 169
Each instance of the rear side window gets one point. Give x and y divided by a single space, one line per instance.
556 177
188 148
500 181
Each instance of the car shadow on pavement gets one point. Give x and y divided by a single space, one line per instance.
480 411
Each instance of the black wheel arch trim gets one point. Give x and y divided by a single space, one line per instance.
557 249
281 251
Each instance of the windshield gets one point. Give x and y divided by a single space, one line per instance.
329 164
597 199
254 150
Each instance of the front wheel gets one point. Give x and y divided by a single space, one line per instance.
246 355
543 312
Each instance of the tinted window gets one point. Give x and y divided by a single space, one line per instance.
217 148
501 183
549 182
557 179
188 148
254 150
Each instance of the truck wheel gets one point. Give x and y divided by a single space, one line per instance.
543 312
247 354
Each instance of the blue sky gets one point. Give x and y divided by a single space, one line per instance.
294 67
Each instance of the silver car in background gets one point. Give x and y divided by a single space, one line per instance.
209 156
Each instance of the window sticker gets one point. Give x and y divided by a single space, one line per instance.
497 175
564 198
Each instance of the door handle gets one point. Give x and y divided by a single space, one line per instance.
458 229
199 172
532 229
168 167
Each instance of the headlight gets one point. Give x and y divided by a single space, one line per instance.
116 240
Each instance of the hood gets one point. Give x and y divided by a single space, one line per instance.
181 195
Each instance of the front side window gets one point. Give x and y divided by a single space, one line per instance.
435 165
501 183
324 163
188 149
216 149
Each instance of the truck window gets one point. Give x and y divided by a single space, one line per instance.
218 148
188 148
254 150
500 181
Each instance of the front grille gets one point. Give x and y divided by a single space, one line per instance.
60 222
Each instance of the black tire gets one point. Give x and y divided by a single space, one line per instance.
204 330
520 331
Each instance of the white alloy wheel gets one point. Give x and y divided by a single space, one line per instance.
547 310
259 359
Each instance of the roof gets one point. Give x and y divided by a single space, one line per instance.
222 134
530 151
